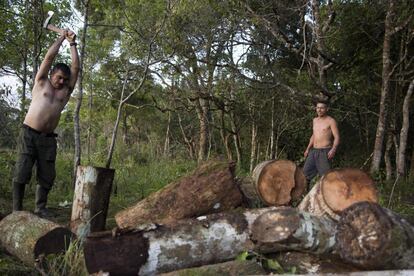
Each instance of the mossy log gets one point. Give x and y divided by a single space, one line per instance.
28 237
210 188
287 229
374 237
163 248
273 183
91 199
337 190
231 268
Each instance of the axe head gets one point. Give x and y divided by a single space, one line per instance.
48 18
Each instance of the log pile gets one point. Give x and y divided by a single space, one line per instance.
192 226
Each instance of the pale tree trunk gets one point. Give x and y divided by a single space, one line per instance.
272 132
387 157
203 145
166 151
253 146
404 131
385 87
76 123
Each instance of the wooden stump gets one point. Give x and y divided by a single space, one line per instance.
186 243
337 190
374 237
275 183
91 199
28 237
210 188
289 229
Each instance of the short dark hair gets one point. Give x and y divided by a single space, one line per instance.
62 67
325 102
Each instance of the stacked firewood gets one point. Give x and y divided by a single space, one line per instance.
207 219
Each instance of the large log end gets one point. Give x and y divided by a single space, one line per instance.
343 187
363 232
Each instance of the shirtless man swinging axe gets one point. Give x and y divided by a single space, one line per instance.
37 140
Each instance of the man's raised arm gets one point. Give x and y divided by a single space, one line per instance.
74 68
44 68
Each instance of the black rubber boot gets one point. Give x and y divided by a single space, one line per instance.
18 194
41 200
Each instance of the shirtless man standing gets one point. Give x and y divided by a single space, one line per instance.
322 144
37 141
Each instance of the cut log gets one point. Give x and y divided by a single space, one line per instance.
28 237
210 188
374 237
337 190
187 243
91 199
231 268
288 229
276 182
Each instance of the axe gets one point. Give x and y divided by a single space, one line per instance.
50 27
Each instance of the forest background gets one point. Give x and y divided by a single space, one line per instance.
166 84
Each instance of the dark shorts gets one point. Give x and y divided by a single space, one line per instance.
316 163
36 148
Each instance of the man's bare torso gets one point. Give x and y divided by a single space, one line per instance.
322 132
46 106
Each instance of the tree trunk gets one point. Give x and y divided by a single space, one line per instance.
385 87
76 123
337 190
186 243
371 236
166 151
91 199
253 149
27 237
204 132
289 229
387 157
230 268
278 182
210 188
404 131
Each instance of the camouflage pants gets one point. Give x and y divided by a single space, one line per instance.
35 148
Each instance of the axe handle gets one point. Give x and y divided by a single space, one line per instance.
54 29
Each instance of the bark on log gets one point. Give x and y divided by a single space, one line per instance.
275 183
28 237
232 268
91 199
337 190
375 238
187 243
307 263
210 188
289 229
